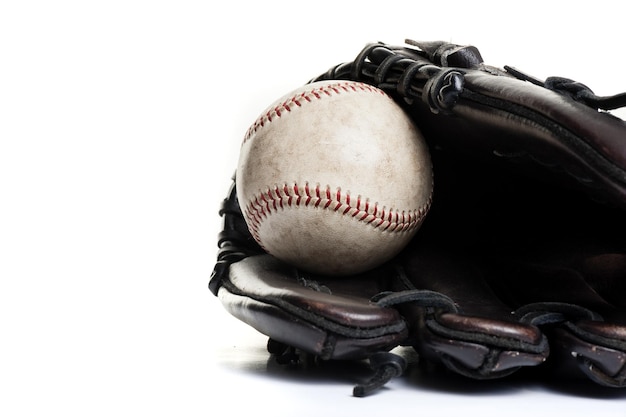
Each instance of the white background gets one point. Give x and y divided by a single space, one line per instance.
120 123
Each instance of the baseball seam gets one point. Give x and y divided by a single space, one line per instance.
308 96
278 198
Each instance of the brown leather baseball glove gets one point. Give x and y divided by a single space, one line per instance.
521 261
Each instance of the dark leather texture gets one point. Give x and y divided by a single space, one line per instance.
483 339
538 130
333 319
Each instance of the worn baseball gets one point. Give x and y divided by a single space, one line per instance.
334 178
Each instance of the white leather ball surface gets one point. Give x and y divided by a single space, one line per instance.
334 178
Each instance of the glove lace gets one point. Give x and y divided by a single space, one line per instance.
422 298
404 71
234 241
417 73
552 313
386 365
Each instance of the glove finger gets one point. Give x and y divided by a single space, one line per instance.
587 326
481 340
333 319
597 349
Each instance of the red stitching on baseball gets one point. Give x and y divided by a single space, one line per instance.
293 195
315 93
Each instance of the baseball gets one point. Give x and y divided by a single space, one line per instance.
334 178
